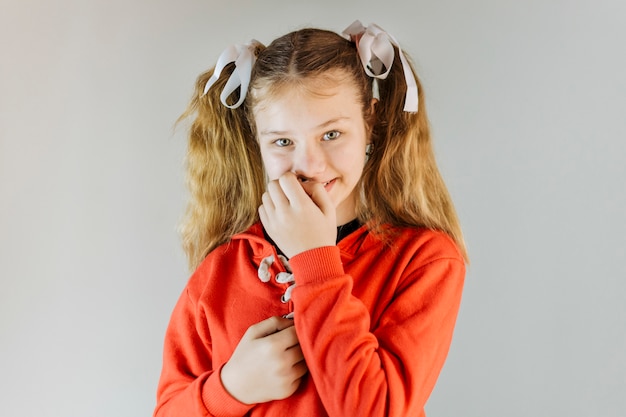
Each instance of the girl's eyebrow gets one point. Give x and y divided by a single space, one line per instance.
332 121
273 133
320 126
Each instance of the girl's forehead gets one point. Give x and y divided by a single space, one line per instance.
304 110
305 89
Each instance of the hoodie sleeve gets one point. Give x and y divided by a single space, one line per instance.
189 385
387 370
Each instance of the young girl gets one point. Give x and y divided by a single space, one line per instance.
329 262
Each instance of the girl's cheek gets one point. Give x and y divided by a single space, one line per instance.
273 165
274 171
276 167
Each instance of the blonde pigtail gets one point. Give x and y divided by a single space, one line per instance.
403 164
224 171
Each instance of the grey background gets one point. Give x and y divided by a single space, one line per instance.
527 102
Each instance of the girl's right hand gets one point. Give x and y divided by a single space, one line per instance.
298 218
267 364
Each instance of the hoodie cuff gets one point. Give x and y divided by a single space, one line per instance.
218 401
315 265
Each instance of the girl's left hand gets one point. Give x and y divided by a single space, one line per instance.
295 221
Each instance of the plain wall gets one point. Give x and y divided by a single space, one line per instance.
527 102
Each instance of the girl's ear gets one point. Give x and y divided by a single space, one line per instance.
373 106
371 116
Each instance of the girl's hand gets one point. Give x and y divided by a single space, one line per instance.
267 364
296 221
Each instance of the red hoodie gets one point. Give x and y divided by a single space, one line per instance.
374 322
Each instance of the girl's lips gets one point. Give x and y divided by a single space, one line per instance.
327 185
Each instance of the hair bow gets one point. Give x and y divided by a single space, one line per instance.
244 57
375 47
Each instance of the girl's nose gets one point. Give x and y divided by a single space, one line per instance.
309 161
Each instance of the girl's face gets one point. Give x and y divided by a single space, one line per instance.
320 136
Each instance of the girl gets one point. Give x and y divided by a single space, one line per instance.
329 262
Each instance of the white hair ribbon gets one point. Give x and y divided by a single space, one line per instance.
244 57
375 47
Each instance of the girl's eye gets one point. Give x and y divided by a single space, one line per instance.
283 142
332 135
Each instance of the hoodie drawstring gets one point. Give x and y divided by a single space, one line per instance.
281 277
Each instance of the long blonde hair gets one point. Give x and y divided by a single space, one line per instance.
400 186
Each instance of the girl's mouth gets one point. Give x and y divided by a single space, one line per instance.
327 185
